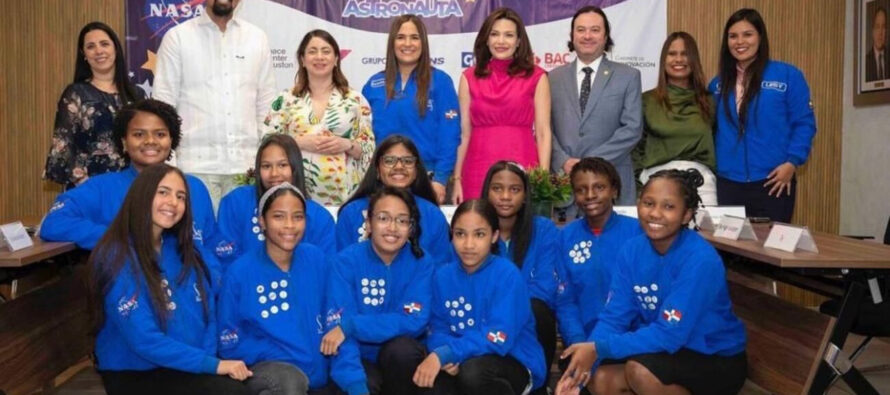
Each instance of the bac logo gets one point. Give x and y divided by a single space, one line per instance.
467 59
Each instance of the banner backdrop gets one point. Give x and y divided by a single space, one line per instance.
361 27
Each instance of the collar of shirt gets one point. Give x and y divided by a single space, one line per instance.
204 20
579 66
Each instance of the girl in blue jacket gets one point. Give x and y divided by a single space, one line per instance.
379 301
272 301
278 160
672 283
396 164
413 98
530 242
765 122
145 133
482 331
588 248
154 312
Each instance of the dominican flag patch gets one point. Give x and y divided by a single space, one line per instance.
672 316
497 337
412 307
450 114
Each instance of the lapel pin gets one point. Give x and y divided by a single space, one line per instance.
606 72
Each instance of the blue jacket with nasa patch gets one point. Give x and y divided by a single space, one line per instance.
266 314
680 300
436 134
434 235
373 303
539 268
81 215
239 226
131 337
779 128
486 312
585 264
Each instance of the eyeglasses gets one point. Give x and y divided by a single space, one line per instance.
402 221
407 161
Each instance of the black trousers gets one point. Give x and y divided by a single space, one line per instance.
169 382
486 375
754 196
393 373
545 327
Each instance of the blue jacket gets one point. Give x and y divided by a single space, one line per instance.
780 126
486 312
239 226
132 339
81 215
539 268
585 265
680 299
373 303
434 235
266 314
436 135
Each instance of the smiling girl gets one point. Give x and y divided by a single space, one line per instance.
379 301
668 325
271 303
482 332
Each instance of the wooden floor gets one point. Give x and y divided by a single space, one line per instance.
83 380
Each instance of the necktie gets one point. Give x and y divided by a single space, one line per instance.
881 67
585 88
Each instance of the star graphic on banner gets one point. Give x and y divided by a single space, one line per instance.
145 87
131 74
150 63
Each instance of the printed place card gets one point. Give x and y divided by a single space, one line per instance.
704 220
16 236
735 228
787 237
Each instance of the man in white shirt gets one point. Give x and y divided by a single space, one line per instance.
876 60
216 69
596 103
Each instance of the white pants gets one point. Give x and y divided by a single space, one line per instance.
708 190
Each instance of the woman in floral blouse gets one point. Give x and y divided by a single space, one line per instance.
81 142
329 121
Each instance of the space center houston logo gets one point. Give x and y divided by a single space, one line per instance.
161 15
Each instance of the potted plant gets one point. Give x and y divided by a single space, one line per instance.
548 190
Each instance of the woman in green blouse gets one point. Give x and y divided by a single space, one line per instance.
678 118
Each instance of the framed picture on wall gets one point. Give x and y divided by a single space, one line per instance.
872 57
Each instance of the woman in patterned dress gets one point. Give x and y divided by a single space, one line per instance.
329 121
81 143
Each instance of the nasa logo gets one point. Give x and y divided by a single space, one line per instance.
467 59
163 15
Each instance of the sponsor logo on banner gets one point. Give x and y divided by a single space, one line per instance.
639 62
161 15
552 60
467 59
394 8
374 60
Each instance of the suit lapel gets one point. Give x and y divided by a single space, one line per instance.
603 74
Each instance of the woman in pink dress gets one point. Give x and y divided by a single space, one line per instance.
504 105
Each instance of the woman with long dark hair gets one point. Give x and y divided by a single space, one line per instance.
330 122
678 116
504 105
765 121
153 299
413 98
82 145
396 164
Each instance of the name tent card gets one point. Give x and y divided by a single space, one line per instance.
787 237
704 221
16 236
735 228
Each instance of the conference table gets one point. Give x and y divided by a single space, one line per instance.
855 260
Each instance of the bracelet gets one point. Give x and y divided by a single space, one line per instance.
455 178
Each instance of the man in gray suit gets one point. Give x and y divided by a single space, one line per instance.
596 103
